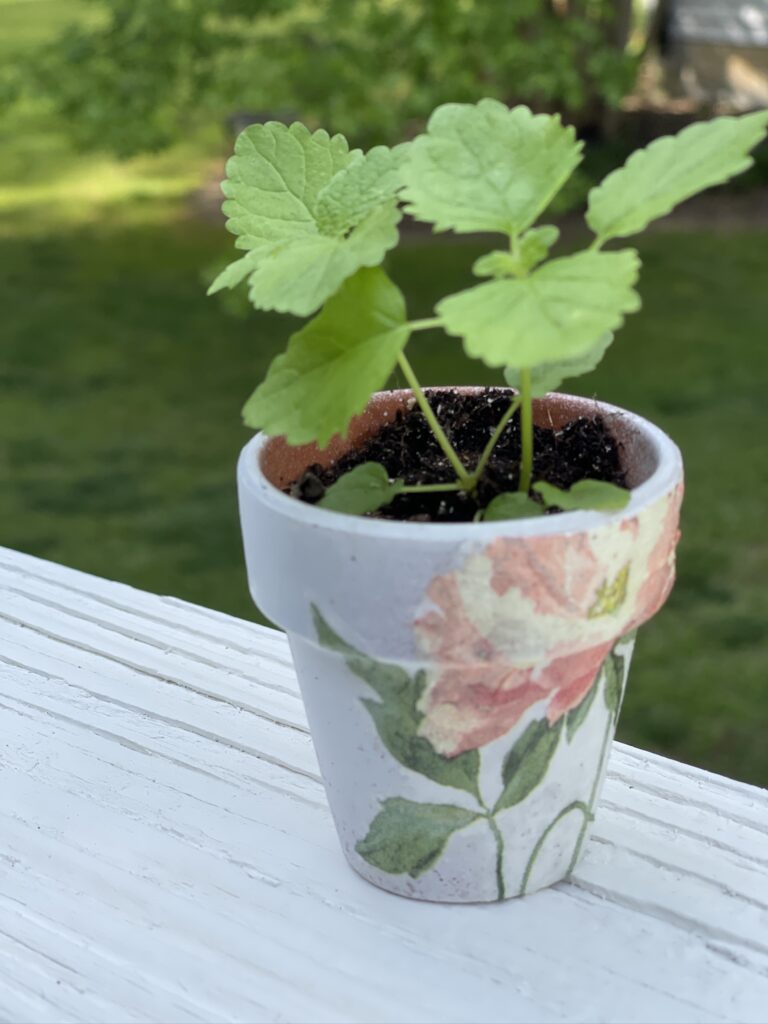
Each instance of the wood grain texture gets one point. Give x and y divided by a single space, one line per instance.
166 853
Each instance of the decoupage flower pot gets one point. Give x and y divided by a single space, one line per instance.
462 681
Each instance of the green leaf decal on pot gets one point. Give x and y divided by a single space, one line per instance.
386 680
611 678
397 718
613 670
408 838
396 723
364 489
526 763
575 718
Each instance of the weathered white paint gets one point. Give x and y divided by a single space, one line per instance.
738 22
166 853
424 599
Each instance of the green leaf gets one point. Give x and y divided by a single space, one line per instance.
484 167
512 505
576 716
534 247
408 838
549 376
590 495
613 670
274 179
236 272
310 212
397 719
396 722
655 179
365 183
499 263
555 313
363 489
526 763
334 363
384 679
299 276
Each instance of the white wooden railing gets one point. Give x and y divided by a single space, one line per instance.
166 852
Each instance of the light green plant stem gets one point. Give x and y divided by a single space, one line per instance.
500 887
463 476
425 325
494 440
577 805
526 432
429 488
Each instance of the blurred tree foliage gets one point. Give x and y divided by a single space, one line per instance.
139 77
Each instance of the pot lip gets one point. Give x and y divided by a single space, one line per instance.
667 475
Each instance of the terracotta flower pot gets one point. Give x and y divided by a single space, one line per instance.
462 681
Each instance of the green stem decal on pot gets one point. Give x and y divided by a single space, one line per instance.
614 677
397 719
409 837
519 640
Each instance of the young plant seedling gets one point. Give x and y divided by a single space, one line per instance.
316 219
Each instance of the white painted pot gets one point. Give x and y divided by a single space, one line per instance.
462 681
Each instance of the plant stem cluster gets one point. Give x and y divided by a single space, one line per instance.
466 480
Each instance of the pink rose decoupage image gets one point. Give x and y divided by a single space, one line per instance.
533 619
515 642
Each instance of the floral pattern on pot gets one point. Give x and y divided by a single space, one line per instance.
409 837
532 619
523 622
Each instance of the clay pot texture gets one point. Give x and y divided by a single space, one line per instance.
462 680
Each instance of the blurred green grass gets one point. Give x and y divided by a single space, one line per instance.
120 385
25 23
44 180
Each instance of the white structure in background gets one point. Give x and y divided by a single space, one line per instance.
720 49
718 21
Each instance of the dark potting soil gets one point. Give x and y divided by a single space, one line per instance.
583 449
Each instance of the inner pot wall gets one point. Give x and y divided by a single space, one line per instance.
282 463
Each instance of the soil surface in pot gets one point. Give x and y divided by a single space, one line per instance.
583 449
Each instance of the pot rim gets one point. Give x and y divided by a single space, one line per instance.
668 473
